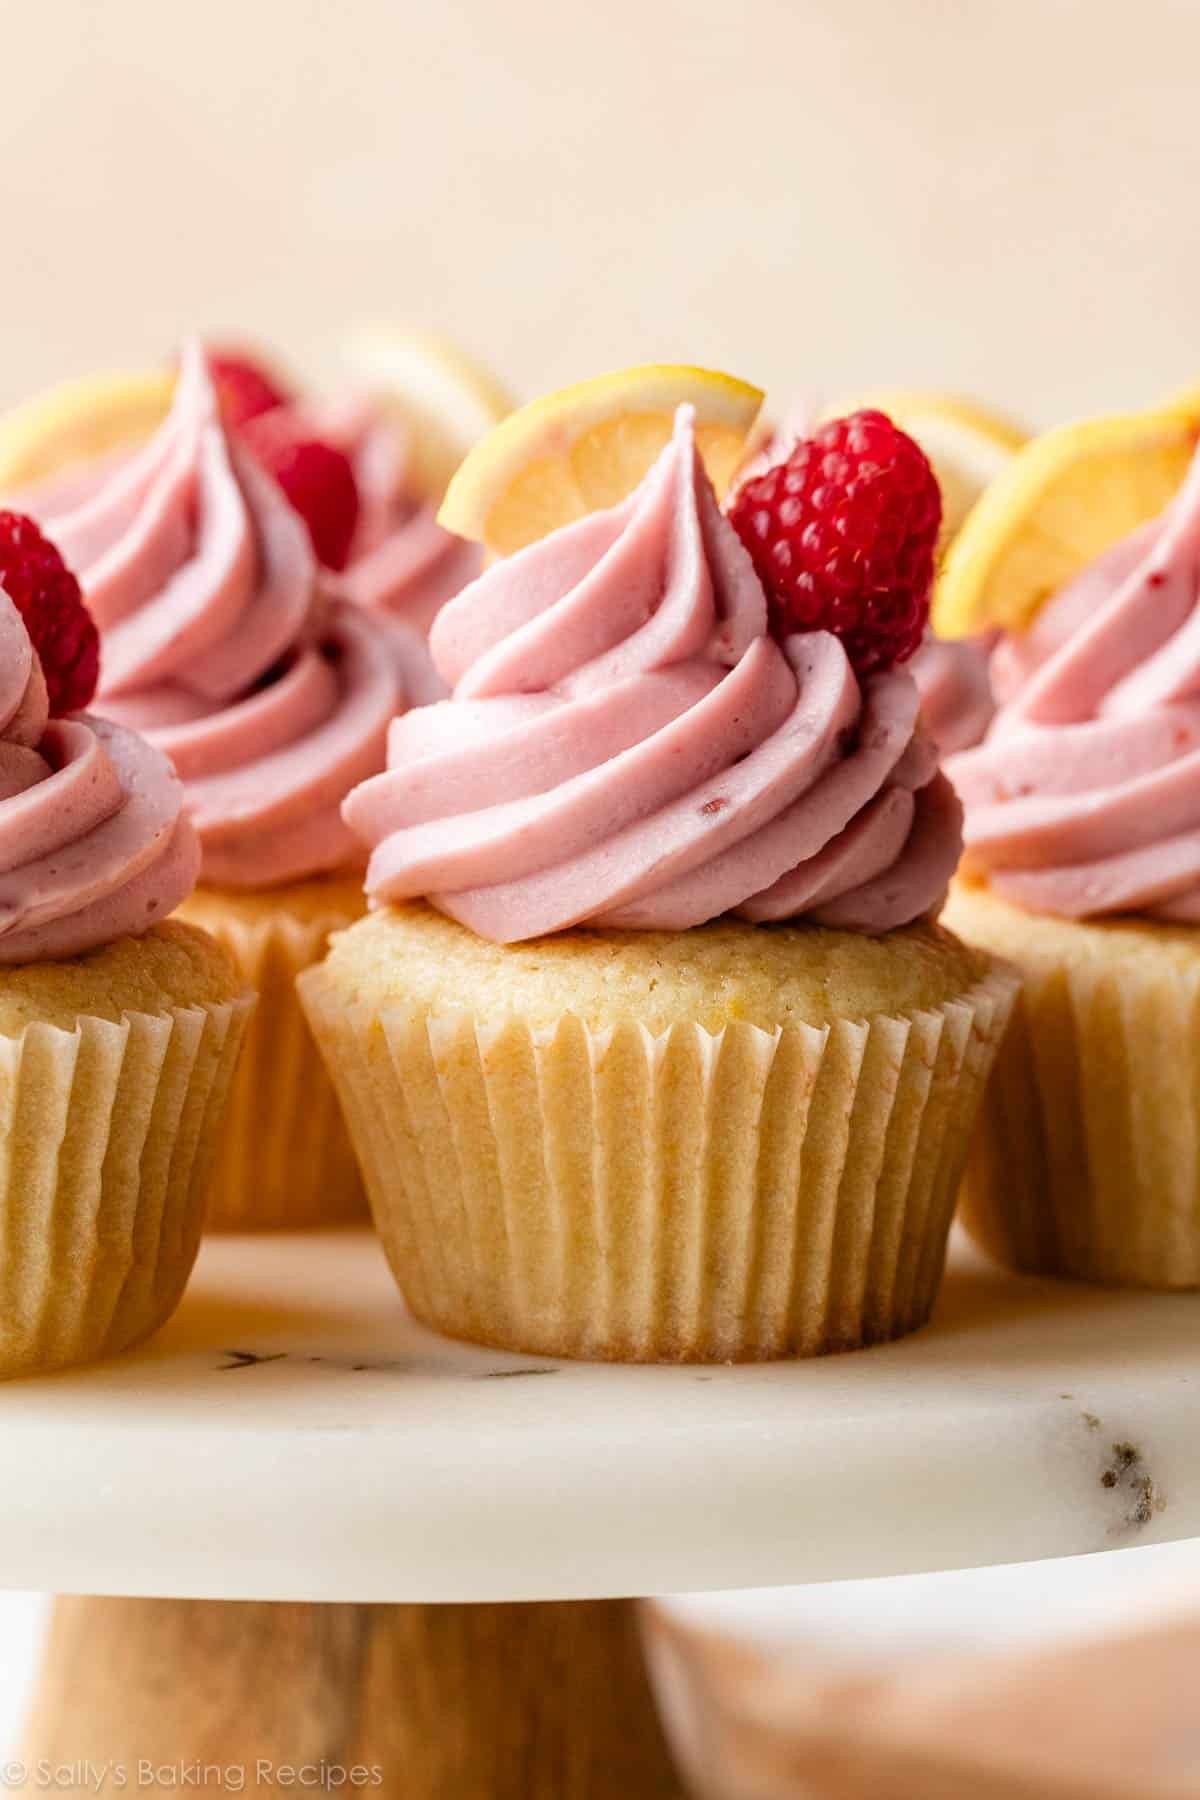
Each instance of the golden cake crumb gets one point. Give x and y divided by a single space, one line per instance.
173 964
331 898
1045 939
713 975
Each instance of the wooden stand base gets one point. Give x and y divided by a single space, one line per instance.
533 1702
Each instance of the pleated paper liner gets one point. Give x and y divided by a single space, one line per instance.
285 1158
689 1196
106 1140
1086 1162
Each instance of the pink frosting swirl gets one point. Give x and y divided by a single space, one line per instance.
402 562
952 679
219 644
403 566
627 746
1084 799
93 842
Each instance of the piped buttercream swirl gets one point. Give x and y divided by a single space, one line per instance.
402 563
952 678
220 644
93 842
1084 799
627 746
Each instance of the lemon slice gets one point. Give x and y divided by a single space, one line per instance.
968 444
79 420
446 399
1061 502
588 446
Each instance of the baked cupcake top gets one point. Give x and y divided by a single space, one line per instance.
630 744
1084 799
94 844
221 644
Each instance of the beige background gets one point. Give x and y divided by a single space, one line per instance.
995 194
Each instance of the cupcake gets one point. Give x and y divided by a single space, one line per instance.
649 1047
1082 866
119 1027
221 645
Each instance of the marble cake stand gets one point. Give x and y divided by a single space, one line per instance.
377 1501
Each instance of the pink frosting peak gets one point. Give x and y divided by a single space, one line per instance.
220 644
93 842
1084 799
627 746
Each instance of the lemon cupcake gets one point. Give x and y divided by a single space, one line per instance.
118 1031
649 1050
221 645
1082 859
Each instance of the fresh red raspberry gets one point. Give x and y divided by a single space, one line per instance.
843 533
48 598
245 390
317 478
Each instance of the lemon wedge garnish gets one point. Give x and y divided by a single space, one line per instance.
588 446
1063 500
446 400
79 420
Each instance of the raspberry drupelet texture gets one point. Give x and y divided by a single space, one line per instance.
48 598
843 534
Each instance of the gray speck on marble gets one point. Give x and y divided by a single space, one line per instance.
248 1359
1127 1472
512 1374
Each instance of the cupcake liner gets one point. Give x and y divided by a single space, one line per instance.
689 1196
285 1158
1086 1162
106 1141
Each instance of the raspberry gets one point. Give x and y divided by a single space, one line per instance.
48 598
245 390
317 478
843 534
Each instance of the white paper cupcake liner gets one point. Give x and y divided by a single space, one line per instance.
285 1159
686 1197
1086 1161
107 1134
